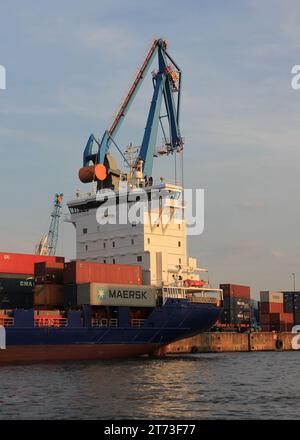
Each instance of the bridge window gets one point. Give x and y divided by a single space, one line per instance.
84 231
139 259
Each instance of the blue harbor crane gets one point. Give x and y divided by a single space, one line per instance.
167 81
48 243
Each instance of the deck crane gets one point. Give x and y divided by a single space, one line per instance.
48 243
97 166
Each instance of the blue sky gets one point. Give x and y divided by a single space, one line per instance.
69 63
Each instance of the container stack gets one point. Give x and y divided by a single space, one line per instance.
292 304
49 289
236 306
77 273
276 311
17 279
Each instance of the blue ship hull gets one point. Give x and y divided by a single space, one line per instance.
176 320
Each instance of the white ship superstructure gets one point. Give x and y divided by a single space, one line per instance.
157 242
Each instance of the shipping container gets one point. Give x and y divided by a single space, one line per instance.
22 276
48 295
287 318
271 296
79 272
70 295
297 315
49 273
271 307
22 263
270 318
10 301
285 327
288 302
270 328
235 290
96 294
16 285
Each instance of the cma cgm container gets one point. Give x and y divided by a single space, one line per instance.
11 263
96 294
235 290
79 272
16 285
16 293
11 301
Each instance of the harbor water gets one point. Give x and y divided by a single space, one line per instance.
262 385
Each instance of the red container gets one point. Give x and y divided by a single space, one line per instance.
235 290
11 263
287 318
271 307
78 272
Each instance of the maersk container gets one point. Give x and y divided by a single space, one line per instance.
79 272
235 290
97 294
22 263
271 296
16 285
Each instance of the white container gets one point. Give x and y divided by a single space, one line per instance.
271 296
99 294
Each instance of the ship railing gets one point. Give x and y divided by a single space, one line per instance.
137 322
51 322
99 322
104 322
6 322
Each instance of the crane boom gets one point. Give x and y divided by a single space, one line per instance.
167 82
48 243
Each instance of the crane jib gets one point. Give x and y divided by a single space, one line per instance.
167 82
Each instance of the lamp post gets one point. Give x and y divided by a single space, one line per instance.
294 281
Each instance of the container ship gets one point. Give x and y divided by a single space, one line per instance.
132 288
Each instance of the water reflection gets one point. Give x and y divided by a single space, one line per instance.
231 385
